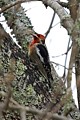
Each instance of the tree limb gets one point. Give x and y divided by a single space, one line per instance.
40 112
14 105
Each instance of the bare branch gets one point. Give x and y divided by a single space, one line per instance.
40 112
62 66
62 53
71 62
50 25
68 48
6 7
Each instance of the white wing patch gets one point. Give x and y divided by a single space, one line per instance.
38 52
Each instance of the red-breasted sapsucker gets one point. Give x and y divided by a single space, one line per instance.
38 54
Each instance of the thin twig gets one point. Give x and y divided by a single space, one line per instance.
55 24
61 66
68 48
62 53
6 7
50 26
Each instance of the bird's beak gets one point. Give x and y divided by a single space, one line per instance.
34 35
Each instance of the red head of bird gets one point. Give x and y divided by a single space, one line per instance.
38 38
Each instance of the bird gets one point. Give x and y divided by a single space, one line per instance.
39 55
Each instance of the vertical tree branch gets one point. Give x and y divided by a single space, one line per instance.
73 6
50 26
23 114
71 62
77 61
66 58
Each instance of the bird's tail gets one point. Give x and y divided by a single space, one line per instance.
45 71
